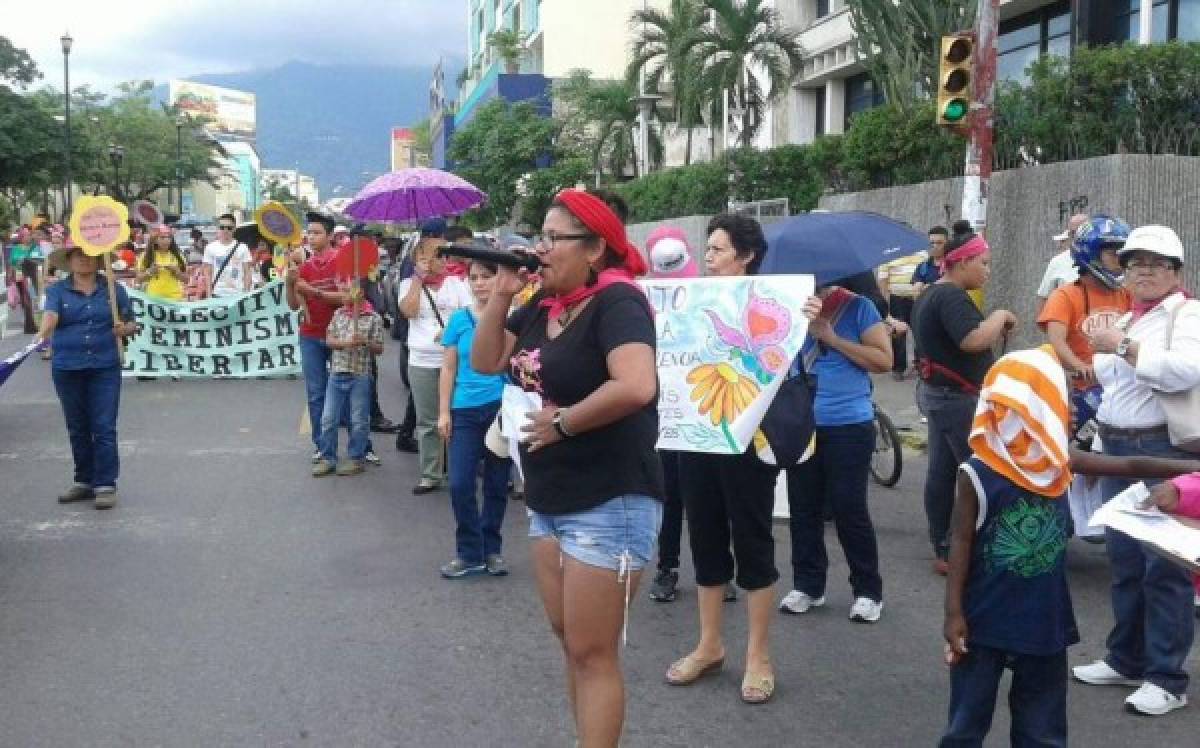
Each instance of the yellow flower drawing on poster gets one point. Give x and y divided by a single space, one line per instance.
722 393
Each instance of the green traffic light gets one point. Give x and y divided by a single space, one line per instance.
955 110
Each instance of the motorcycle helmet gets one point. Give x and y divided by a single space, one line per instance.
1098 233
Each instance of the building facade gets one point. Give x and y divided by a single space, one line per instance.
558 36
833 84
302 186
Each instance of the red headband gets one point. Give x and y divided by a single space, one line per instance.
974 247
601 221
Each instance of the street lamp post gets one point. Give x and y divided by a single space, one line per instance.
179 165
67 41
116 154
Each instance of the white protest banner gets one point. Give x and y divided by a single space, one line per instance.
724 349
251 335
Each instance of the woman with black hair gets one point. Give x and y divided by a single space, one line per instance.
163 268
730 498
954 343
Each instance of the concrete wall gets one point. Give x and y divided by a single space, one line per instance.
1030 205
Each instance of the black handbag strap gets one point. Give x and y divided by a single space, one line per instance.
225 263
432 303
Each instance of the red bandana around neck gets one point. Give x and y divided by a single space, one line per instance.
560 303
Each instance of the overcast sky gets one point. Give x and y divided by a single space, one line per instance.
123 39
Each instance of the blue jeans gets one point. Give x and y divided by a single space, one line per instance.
835 476
314 362
477 535
90 400
950 413
617 535
1037 698
1151 597
356 390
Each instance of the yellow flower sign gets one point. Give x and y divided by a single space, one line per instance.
98 224
278 224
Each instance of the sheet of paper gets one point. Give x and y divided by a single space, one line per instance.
515 406
1165 533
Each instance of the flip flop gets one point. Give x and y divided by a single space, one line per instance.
757 689
687 670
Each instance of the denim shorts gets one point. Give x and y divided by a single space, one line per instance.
624 529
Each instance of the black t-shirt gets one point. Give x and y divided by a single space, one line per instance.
595 466
943 316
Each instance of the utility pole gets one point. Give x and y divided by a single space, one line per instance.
981 120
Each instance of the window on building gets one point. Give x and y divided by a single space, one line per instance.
516 17
819 110
1026 38
1128 20
1187 21
861 94
822 8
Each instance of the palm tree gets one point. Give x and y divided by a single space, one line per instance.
604 118
661 53
745 41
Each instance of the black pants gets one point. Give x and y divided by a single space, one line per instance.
672 523
900 307
730 497
835 476
950 413
376 411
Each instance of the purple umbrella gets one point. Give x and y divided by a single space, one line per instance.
412 195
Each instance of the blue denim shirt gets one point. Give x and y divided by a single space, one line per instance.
84 336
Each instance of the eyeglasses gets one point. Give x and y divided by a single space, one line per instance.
1158 264
225 228
549 240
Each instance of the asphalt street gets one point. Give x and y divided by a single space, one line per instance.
231 599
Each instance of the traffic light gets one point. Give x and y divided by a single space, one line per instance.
955 78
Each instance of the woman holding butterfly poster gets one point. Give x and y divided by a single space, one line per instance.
729 499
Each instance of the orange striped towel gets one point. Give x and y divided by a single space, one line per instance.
1020 426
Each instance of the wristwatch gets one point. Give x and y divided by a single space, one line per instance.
559 425
1122 348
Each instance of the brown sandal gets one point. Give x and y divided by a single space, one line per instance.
757 689
687 670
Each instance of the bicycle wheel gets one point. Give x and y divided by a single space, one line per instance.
887 461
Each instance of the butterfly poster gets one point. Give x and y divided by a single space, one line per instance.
725 346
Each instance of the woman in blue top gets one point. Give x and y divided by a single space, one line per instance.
468 403
849 340
87 371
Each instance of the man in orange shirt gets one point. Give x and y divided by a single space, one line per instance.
1095 302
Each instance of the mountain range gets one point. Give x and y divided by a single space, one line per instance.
332 122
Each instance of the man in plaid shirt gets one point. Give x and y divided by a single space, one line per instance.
353 340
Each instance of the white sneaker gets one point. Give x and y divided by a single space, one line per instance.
1100 674
799 602
1154 701
865 610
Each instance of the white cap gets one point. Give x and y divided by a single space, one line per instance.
340 229
1160 240
1062 237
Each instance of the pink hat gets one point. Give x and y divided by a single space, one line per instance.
670 255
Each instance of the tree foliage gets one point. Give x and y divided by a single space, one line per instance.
16 66
499 146
1129 98
900 43
745 43
601 118
33 140
663 54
